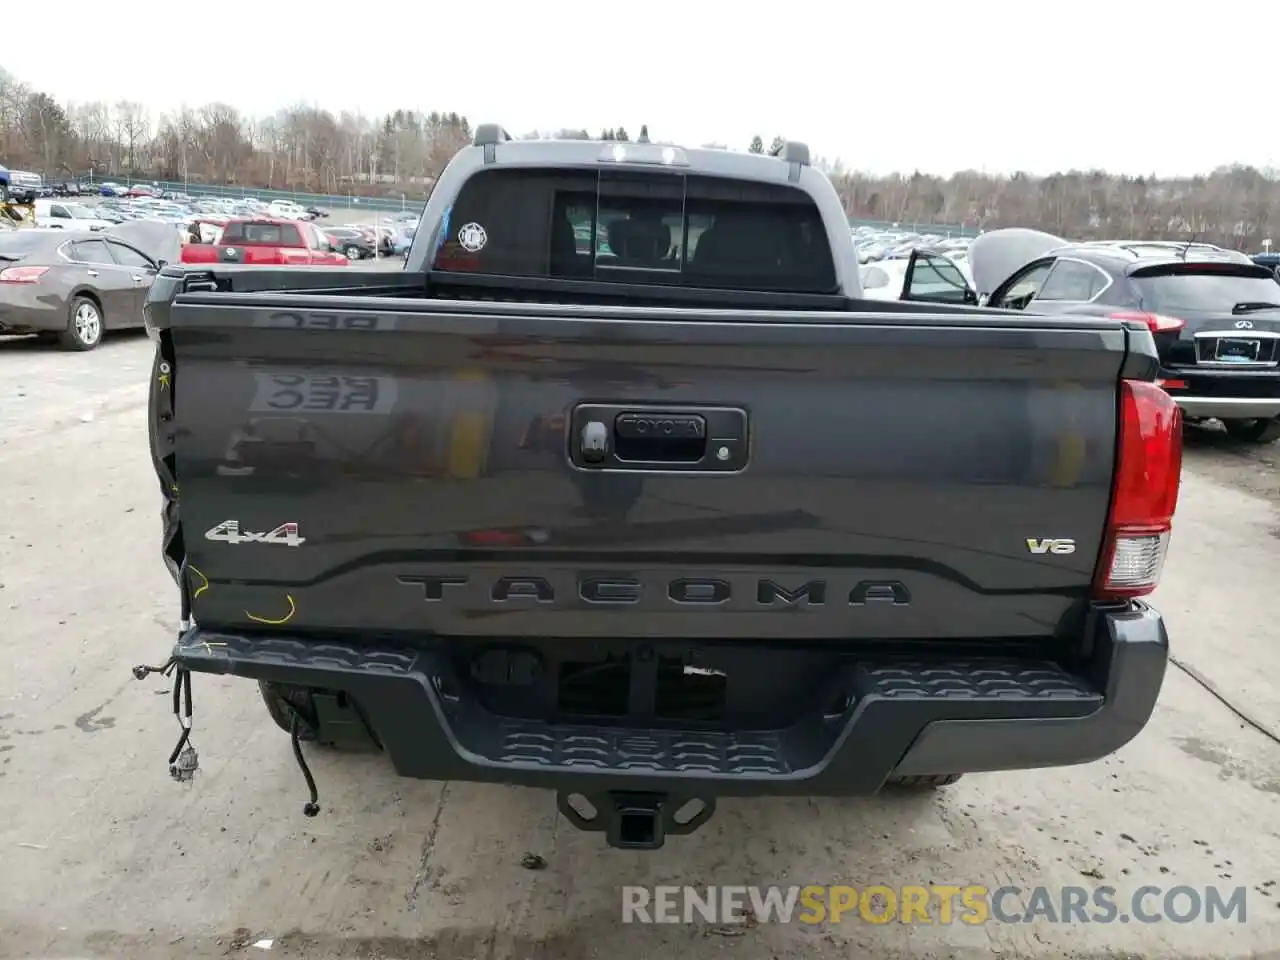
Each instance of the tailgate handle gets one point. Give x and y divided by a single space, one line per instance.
660 437
605 436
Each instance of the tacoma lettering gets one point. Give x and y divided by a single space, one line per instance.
879 591
433 587
688 590
685 591
609 590
522 588
815 592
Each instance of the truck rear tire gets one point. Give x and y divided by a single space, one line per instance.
925 782
283 701
1253 431
352 733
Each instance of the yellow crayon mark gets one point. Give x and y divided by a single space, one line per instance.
1069 459
469 436
293 608
164 381
204 586
210 644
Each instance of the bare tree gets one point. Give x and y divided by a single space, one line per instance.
133 127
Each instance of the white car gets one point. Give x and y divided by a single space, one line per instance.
885 279
59 215
286 210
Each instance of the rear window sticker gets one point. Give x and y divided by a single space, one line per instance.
472 237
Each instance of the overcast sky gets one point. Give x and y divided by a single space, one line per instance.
940 85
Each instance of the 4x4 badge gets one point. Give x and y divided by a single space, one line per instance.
228 531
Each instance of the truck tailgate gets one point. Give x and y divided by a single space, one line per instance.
408 466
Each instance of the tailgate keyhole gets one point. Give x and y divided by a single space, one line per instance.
595 442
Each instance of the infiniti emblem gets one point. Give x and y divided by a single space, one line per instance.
1244 324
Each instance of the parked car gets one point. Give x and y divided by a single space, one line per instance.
24 186
840 553
286 210
354 243
1214 313
60 215
883 279
386 239
404 240
265 241
943 277
1269 260
72 285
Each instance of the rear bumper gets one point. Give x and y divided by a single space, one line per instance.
1225 394
25 313
903 718
1230 408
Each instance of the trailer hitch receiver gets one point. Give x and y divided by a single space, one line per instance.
635 820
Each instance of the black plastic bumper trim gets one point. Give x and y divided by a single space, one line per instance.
906 718
1129 668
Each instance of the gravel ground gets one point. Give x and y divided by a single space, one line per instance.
104 856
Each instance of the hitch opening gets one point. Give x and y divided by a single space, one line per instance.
635 820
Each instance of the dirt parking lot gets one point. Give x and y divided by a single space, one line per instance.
104 856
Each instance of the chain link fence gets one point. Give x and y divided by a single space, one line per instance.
328 201
915 226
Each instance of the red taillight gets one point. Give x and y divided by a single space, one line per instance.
199 253
22 274
1172 384
1145 495
1156 322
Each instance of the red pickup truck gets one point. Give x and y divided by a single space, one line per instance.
266 241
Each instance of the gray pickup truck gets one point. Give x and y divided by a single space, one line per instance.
620 489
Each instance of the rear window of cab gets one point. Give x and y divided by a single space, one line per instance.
637 227
252 233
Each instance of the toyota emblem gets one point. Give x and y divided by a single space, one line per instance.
1244 324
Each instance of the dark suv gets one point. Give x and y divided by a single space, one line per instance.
1215 315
